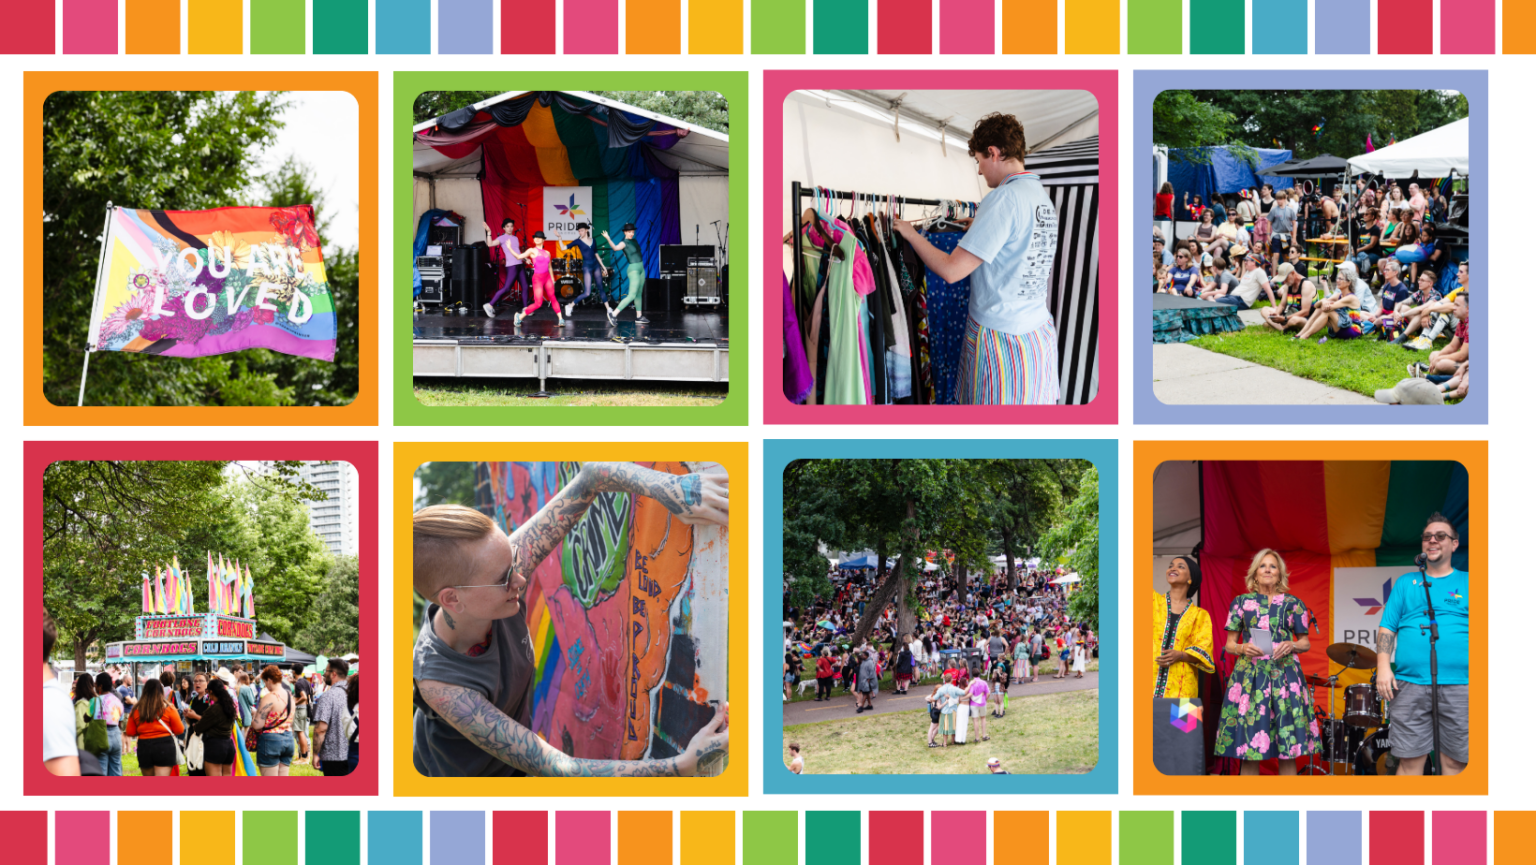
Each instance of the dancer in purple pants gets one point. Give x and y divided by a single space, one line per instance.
510 248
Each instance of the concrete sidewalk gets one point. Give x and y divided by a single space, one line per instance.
842 706
1185 375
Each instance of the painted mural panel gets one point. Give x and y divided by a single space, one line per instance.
628 616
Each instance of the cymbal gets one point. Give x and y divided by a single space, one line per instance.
1352 655
1322 682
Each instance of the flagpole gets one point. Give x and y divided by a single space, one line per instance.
96 301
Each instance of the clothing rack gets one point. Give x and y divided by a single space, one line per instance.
799 192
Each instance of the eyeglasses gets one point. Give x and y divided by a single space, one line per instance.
506 582
1442 537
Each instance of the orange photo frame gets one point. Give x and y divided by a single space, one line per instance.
1147 780
364 409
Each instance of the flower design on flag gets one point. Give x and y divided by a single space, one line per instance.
570 210
130 315
239 250
297 226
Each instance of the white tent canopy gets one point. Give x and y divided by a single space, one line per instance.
1436 153
702 160
847 139
1175 508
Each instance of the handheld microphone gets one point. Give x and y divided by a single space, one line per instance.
1421 561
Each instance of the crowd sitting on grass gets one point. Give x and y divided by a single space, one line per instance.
1391 285
969 643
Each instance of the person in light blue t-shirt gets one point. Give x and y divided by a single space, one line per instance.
1402 656
1008 253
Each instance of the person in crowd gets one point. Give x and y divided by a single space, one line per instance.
1193 209
473 662
1185 647
796 759
1267 713
331 717
1219 205
216 726
1205 232
999 687
1183 277
354 724
1340 313
1160 250
1396 203
1162 208
791 674
1403 656
156 724
1253 283
1393 291
84 697
1080 652
109 711
903 668
1448 360
273 722
947 697
977 693
1421 308
60 753
868 682
1294 307
303 698
1370 250
825 675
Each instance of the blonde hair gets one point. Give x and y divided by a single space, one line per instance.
438 535
1283 586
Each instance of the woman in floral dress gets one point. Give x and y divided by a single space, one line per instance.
1267 713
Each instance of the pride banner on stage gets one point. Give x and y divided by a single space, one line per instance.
192 283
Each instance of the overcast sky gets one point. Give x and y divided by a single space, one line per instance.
321 130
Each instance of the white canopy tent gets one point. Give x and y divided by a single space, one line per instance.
702 160
855 140
1436 153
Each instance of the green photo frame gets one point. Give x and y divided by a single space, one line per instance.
408 411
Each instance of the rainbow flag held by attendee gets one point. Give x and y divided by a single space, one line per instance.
193 283
245 763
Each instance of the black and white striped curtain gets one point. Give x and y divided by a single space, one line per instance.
1071 175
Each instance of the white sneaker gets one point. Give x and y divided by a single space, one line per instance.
489 310
568 307
517 319
611 317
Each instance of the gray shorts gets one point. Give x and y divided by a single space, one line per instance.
1412 734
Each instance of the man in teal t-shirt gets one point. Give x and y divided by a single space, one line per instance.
1402 656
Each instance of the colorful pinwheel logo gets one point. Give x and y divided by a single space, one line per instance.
1373 606
1184 715
572 210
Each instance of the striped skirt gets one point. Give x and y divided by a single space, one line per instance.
999 368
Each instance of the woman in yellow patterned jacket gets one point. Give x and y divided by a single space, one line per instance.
1183 631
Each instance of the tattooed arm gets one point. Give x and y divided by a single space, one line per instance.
1386 643
503 738
696 499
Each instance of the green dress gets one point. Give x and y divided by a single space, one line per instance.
1267 712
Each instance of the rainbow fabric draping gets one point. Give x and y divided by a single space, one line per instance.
1319 516
551 139
191 283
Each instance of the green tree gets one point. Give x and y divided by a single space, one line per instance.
1075 542
1029 504
1288 119
287 560
439 483
1179 120
105 525
331 628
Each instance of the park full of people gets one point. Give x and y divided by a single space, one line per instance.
921 660
1372 249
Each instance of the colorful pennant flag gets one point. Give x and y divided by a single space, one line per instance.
192 283
149 605
250 604
1369 146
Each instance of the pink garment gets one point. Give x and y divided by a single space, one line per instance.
540 260
510 247
979 691
863 274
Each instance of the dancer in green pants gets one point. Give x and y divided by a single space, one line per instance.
635 272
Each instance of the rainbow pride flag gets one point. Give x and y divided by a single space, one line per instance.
192 283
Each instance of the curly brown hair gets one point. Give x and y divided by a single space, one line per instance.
1003 131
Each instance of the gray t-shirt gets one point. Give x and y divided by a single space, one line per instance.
504 674
1283 219
996 646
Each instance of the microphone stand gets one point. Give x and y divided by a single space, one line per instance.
1434 662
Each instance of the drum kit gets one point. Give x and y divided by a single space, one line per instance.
1360 738
567 274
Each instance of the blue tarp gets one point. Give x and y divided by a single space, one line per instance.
1222 173
419 246
869 561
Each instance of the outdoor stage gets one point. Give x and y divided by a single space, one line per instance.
674 346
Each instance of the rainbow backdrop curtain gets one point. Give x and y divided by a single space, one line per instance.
1320 516
550 139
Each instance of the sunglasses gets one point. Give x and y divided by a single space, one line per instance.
1442 537
504 584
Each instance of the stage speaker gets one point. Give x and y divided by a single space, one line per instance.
674 257
702 287
431 290
660 293
466 275
443 235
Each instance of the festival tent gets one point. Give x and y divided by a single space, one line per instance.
913 144
1320 516
1207 171
1326 165
1436 153
496 158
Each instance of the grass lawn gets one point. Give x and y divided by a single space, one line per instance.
888 680
131 767
1363 365
1053 734
519 392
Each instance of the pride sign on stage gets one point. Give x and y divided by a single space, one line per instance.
564 208
191 283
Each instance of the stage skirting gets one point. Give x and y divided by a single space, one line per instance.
1180 319
1320 516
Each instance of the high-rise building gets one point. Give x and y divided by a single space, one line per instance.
335 518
